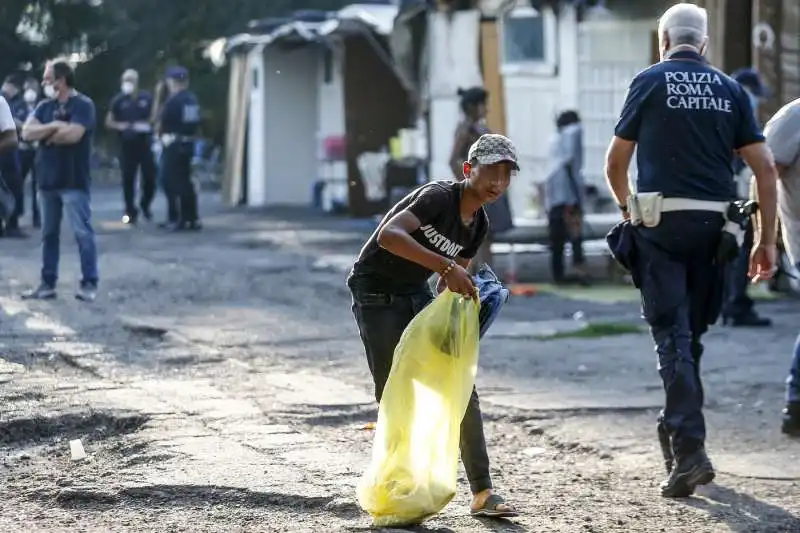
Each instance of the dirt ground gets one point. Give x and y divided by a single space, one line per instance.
218 384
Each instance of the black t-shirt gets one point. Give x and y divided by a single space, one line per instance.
437 205
687 118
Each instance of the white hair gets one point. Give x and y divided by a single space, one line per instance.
684 24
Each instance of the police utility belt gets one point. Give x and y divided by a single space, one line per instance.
645 209
169 138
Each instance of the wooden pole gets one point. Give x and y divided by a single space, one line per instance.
767 51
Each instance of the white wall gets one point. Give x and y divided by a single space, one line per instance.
331 112
256 164
290 121
453 48
533 100
612 52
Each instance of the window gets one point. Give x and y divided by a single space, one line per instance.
529 40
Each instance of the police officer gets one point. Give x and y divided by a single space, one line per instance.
179 125
9 161
130 115
738 310
685 119
27 150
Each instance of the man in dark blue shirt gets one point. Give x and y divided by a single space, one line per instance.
129 114
10 169
685 119
178 125
64 125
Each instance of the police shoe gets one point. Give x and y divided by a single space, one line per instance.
749 320
16 233
689 472
791 420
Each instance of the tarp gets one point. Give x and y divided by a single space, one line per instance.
355 18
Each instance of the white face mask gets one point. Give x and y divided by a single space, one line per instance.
49 91
128 87
30 96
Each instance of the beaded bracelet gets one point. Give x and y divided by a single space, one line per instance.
447 269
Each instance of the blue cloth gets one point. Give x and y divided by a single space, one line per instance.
674 266
60 167
181 114
670 111
76 205
793 381
492 296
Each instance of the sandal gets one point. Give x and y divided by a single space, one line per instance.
490 508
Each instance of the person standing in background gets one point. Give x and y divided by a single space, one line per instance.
473 106
161 95
130 115
739 308
563 195
64 125
179 125
27 150
9 160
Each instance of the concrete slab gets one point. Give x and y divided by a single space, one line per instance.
571 397
532 329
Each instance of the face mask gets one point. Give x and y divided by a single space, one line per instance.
49 91
30 96
128 87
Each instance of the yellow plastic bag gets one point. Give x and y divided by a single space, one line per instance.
414 465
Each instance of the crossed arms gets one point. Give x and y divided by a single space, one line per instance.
56 132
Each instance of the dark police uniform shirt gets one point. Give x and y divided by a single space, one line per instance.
66 166
687 118
21 111
132 108
181 114
437 205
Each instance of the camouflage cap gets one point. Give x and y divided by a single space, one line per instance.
492 148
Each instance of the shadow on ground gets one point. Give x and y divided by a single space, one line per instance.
744 513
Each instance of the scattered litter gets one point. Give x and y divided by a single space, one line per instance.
369 426
582 368
523 289
76 450
532 452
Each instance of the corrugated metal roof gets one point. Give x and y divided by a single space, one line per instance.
377 17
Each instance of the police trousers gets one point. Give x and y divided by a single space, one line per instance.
136 155
381 318
176 161
27 160
682 288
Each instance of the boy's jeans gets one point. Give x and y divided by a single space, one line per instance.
75 204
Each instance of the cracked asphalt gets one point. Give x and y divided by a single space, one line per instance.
218 384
